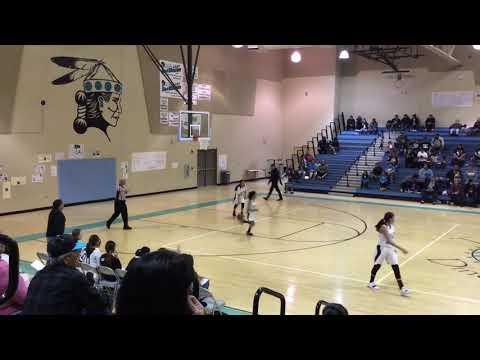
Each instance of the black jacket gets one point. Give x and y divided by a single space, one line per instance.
61 290
56 223
275 177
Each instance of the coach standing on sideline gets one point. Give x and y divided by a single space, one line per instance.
56 220
120 206
275 178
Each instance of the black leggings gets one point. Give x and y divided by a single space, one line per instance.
120 208
274 186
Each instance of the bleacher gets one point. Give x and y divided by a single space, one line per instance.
352 146
470 143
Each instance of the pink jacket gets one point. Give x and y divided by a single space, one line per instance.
16 303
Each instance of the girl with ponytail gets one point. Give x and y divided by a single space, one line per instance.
386 251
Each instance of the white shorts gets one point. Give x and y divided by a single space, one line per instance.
239 201
251 217
387 254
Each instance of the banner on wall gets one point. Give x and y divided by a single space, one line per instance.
149 161
176 73
441 99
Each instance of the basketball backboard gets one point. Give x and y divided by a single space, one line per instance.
194 123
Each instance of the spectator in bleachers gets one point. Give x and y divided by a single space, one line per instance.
373 128
415 122
422 157
110 259
430 190
364 180
377 172
437 144
456 191
16 303
475 129
430 123
364 128
437 160
406 122
336 145
390 171
452 173
411 159
290 174
409 184
455 128
323 146
425 144
358 123
459 156
350 123
384 181
322 170
160 283
401 142
476 156
396 122
471 174
138 254
424 175
59 288
470 193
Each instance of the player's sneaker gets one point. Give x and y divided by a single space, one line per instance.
405 292
373 286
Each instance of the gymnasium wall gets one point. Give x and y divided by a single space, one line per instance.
246 116
364 90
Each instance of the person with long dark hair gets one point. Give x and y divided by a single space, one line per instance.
110 259
239 197
91 254
56 220
386 251
160 283
251 211
138 254
120 205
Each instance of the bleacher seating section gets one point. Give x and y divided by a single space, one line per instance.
352 146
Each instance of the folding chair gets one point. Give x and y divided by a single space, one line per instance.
120 274
107 287
43 258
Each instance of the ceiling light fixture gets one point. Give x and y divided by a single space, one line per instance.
296 57
344 55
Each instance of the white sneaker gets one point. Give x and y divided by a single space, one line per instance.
405 292
373 286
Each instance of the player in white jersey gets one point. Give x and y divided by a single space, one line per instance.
251 211
386 251
240 197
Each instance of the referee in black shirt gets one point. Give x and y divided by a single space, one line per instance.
275 178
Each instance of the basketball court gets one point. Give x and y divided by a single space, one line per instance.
308 247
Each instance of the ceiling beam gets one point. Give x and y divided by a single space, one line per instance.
445 52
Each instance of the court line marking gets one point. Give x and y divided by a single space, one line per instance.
434 241
334 276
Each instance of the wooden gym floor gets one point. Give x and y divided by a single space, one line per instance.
308 247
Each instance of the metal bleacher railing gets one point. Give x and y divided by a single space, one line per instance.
270 292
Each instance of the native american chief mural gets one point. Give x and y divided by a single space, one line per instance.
99 103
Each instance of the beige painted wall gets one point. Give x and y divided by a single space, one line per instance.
373 94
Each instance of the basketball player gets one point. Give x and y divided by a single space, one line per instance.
120 206
251 211
239 198
386 252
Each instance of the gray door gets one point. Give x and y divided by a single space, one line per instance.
207 167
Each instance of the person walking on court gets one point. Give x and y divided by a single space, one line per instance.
120 206
275 178
56 220
251 211
386 251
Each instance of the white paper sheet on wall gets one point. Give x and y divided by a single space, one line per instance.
149 161
44 158
124 169
163 104
204 143
53 171
76 151
163 118
18 180
173 118
6 190
59 156
174 165
204 92
40 169
452 99
222 161
37 178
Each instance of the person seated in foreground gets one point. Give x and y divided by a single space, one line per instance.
162 282
350 123
322 170
430 190
59 288
409 184
16 303
459 156
110 259
138 254
430 123
456 128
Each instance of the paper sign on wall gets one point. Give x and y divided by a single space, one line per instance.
76 151
38 173
3 174
124 169
163 117
173 118
20 180
163 104
53 171
204 143
204 92
44 158
452 99
59 156
222 161
149 161
6 190
174 165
